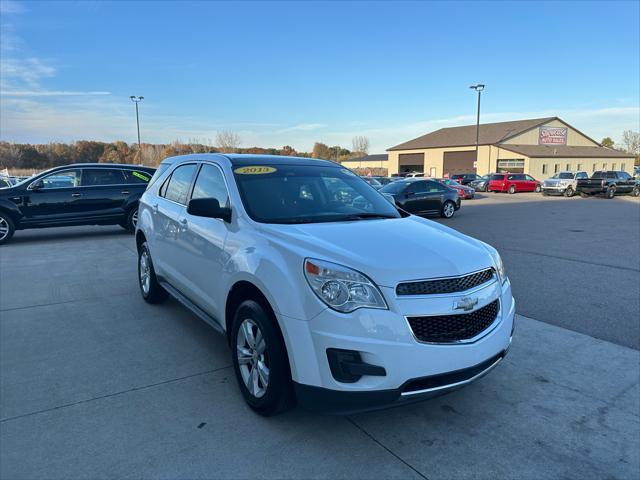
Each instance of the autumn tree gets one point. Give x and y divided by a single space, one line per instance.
360 146
607 142
227 141
321 150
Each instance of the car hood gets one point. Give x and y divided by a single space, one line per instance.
386 250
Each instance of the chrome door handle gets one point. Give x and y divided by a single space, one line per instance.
125 192
76 194
183 221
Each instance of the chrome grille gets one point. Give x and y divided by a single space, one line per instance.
454 328
445 285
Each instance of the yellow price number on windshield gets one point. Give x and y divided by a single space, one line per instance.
254 170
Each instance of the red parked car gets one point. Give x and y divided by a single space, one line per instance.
513 182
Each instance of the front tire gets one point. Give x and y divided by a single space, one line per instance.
635 192
538 189
569 192
151 290
260 360
611 192
448 209
512 189
7 228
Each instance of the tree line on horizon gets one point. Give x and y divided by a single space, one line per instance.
27 156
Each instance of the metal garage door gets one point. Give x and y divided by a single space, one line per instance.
411 162
459 162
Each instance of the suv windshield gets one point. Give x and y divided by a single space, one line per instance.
308 194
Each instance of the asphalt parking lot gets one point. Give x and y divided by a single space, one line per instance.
95 383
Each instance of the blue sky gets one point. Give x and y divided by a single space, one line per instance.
293 73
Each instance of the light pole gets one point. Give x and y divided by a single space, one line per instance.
478 88
137 100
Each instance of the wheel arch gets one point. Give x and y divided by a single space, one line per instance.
240 291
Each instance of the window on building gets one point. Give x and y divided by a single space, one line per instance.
594 167
544 168
604 166
613 166
556 168
623 167
579 167
568 167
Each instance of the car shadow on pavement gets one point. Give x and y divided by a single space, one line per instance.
60 234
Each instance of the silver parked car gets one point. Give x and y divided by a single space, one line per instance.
562 183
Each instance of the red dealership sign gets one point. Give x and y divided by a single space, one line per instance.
552 136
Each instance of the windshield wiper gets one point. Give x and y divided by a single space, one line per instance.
365 215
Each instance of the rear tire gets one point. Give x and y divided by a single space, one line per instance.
512 189
260 360
151 290
131 220
448 209
635 192
611 192
7 228
569 192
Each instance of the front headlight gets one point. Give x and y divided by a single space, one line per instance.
342 288
497 261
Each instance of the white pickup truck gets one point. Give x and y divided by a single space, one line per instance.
563 183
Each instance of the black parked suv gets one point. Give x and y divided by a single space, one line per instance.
79 194
465 178
423 197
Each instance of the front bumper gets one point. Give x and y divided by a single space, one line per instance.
557 189
383 338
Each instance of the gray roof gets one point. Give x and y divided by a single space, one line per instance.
490 134
564 151
378 157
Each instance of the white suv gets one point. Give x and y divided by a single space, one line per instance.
327 293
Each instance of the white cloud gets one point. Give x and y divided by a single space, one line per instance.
303 127
48 93
11 6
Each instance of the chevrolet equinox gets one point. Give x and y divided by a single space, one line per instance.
328 294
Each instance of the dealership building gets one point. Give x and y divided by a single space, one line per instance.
539 147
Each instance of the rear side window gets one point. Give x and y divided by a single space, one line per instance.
435 187
497 177
95 177
210 184
178 184
160 170
598 174
136 176
418 187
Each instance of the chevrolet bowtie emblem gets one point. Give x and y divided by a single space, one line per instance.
465 303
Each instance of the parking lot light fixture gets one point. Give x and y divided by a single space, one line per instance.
137 100
478 88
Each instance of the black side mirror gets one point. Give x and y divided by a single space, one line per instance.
208 207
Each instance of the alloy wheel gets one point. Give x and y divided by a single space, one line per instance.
145 272
134 219
4 228
449 209
253 361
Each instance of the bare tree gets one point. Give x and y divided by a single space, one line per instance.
227 141
360 145
631 142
